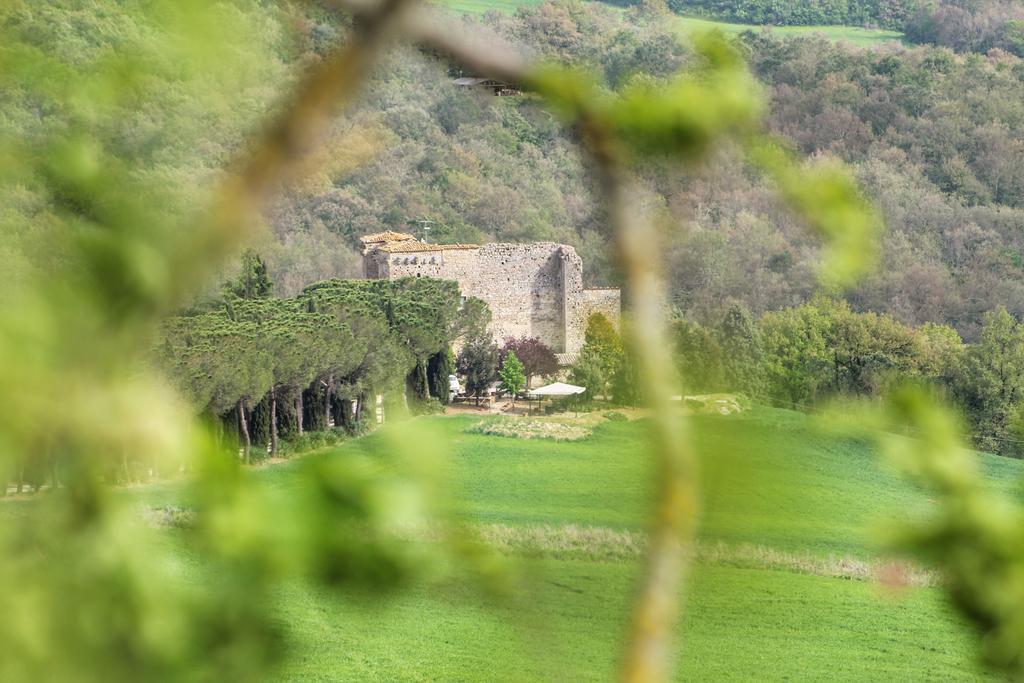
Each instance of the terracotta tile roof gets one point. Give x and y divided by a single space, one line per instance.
410 247
386 236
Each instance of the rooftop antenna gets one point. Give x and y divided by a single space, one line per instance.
422 227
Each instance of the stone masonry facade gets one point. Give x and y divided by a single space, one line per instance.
533 289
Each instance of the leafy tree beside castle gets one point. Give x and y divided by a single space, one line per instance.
587 372
512 377
601 356
537 357
478 363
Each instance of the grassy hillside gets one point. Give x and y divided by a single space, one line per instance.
851 34
771 480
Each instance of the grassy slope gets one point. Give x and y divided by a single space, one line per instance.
851 34
771 480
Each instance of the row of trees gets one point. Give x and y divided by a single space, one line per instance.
270 368
886 13
802 356
799 356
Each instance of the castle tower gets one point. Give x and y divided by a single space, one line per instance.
533 289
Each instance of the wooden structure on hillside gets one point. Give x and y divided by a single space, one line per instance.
499 88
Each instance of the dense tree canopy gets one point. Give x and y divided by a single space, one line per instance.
327 349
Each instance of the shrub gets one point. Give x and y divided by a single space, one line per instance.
615 416
359 427
520 428
430 406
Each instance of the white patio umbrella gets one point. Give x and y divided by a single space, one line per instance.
556 389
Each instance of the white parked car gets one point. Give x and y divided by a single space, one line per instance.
454 388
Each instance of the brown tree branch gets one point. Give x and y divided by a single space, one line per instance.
279 152
648 652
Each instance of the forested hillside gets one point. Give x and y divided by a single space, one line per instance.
933 135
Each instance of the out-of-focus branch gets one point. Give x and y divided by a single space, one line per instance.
647 654
278 153
493 58
432 30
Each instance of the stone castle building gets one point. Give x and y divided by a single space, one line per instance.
533 289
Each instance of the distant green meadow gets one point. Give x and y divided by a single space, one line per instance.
850 34
772 482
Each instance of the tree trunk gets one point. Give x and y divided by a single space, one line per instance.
327 402
273 421
421 377
346 414
298 412
835 367
243 427
215 428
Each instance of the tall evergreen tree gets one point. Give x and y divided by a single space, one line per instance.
253 281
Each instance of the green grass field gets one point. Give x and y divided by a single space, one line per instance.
851 34
770 480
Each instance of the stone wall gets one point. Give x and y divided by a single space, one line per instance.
605 301
533 290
